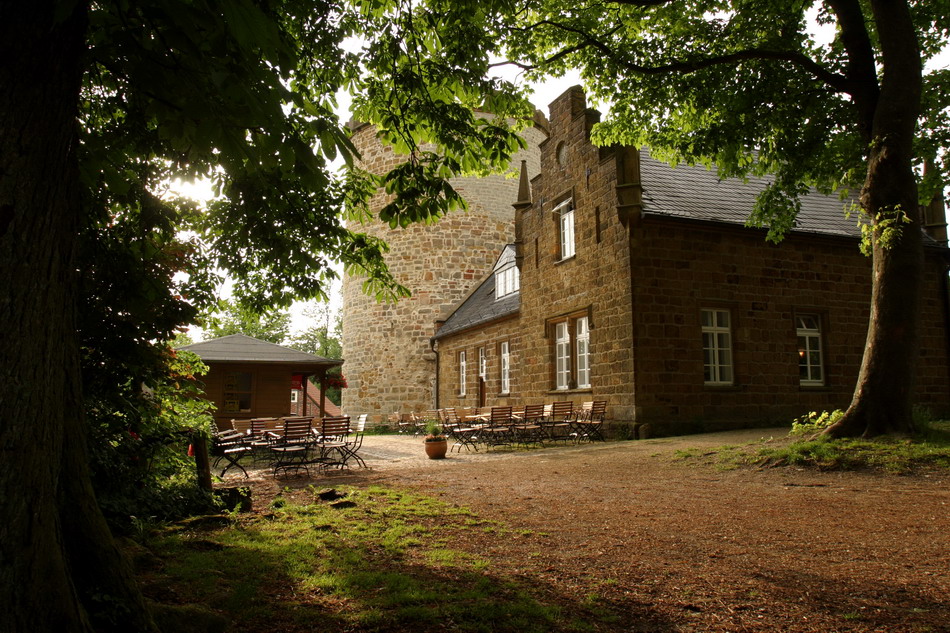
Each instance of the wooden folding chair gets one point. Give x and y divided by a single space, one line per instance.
529 429
498 431
559 425
332 437
462 434
230 446
291 447
590 425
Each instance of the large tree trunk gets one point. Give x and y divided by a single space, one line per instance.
59 567
884 395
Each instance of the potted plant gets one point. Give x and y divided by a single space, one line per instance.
435 443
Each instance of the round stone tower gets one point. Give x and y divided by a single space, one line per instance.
388 362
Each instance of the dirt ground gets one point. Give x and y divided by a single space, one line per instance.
673 545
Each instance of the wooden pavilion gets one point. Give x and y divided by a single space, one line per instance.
250 378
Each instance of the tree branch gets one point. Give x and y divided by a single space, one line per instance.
861 71
838 82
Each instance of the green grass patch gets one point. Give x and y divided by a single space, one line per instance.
929 449
385 563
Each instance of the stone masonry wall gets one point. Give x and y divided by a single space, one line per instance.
595 282
388 361
488 338
681 268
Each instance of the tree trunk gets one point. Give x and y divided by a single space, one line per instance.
884 394
58 564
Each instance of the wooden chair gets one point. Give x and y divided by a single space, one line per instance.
331 438
529 429
353 443
498 431
257 435
590 423
291 447
463 435
559 425
230 446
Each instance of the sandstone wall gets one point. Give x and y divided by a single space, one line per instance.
389 365
681 268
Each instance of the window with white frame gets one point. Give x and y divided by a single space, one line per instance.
571 352
505 366
507 281
482 363
717 347
583 353
462 370
294 396
562 356
810 362
565 213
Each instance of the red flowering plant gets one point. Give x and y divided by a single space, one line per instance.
336 381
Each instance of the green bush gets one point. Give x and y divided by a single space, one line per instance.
139 440
815 422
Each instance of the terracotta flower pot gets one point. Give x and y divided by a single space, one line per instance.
436 447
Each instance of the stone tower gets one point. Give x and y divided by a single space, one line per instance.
389 364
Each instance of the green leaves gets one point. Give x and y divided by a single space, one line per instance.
741 84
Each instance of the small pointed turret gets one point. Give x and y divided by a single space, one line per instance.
524 188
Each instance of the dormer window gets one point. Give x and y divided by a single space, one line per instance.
507 281
507 275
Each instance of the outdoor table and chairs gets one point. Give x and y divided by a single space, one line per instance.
527 425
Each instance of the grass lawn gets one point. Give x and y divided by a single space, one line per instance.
376 560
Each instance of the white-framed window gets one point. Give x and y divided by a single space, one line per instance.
507 281
717 347
583 353
571 351
810 361
462 369
482 363
562 356
505 365
565 213
294 396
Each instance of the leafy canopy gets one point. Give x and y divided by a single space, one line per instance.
742 85
243 93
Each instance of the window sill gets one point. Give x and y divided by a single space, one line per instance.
566 259
558 392
718 387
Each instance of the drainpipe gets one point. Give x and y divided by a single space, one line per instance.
434 346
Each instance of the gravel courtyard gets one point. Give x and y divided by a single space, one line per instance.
679 545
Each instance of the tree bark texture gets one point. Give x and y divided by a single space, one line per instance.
59 567
884 393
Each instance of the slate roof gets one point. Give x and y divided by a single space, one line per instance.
239 348
480 307
696 193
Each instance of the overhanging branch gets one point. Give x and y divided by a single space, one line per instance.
839 82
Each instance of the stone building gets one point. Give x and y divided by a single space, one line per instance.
390 366
640 285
